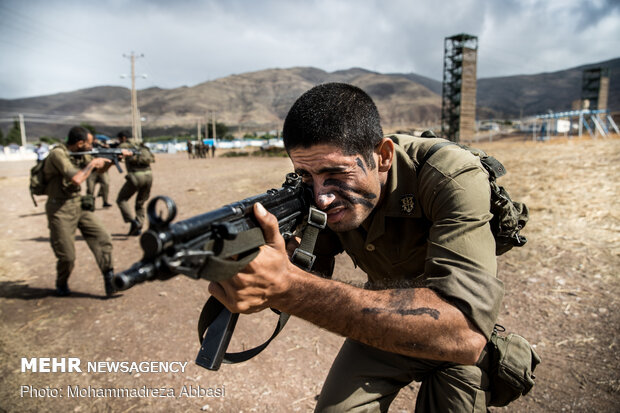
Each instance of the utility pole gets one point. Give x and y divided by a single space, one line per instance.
22 128
136 130
213 125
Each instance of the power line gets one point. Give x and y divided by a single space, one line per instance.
38 28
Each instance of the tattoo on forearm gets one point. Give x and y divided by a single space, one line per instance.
87 169
400 302
404 312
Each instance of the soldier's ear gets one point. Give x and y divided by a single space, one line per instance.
385 150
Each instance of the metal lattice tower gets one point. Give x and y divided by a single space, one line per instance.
595 88
458 104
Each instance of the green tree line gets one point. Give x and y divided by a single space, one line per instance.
13 136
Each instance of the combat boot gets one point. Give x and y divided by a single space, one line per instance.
135 229
109 285
62 289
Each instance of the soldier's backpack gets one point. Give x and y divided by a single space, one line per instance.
143 158
509 217
37 181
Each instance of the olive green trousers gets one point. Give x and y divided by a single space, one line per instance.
365 379
138 183
104 185
64 216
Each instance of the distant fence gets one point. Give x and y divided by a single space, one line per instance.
17 153
20 153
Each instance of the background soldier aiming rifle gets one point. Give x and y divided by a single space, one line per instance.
139 180
101 149
65 169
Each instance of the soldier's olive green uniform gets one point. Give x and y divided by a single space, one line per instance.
104 185
139 179
65 215
432 230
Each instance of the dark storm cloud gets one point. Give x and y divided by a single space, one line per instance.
592 12
63 45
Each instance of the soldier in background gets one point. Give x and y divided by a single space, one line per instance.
103 179
41 151
139 180
189 149
67 211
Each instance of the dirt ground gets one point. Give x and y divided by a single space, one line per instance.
562 293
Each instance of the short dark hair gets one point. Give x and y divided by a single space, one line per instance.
123 134
337 114
76 134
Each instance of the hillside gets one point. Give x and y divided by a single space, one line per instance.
534 94
259 100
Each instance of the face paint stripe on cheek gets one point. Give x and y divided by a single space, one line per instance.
355 200
342 186
361 165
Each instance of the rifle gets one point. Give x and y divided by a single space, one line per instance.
215 246
113 154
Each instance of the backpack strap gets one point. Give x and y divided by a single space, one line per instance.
431 151
509 217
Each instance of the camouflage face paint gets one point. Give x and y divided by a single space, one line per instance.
344 191
361 165
344 187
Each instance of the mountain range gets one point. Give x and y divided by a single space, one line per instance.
260 100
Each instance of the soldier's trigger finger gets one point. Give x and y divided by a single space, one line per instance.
269 224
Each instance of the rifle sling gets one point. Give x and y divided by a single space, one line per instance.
302 257
212 309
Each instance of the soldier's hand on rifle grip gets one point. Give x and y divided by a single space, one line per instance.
100 163
125 153
265 279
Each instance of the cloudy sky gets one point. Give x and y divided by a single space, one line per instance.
51 46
